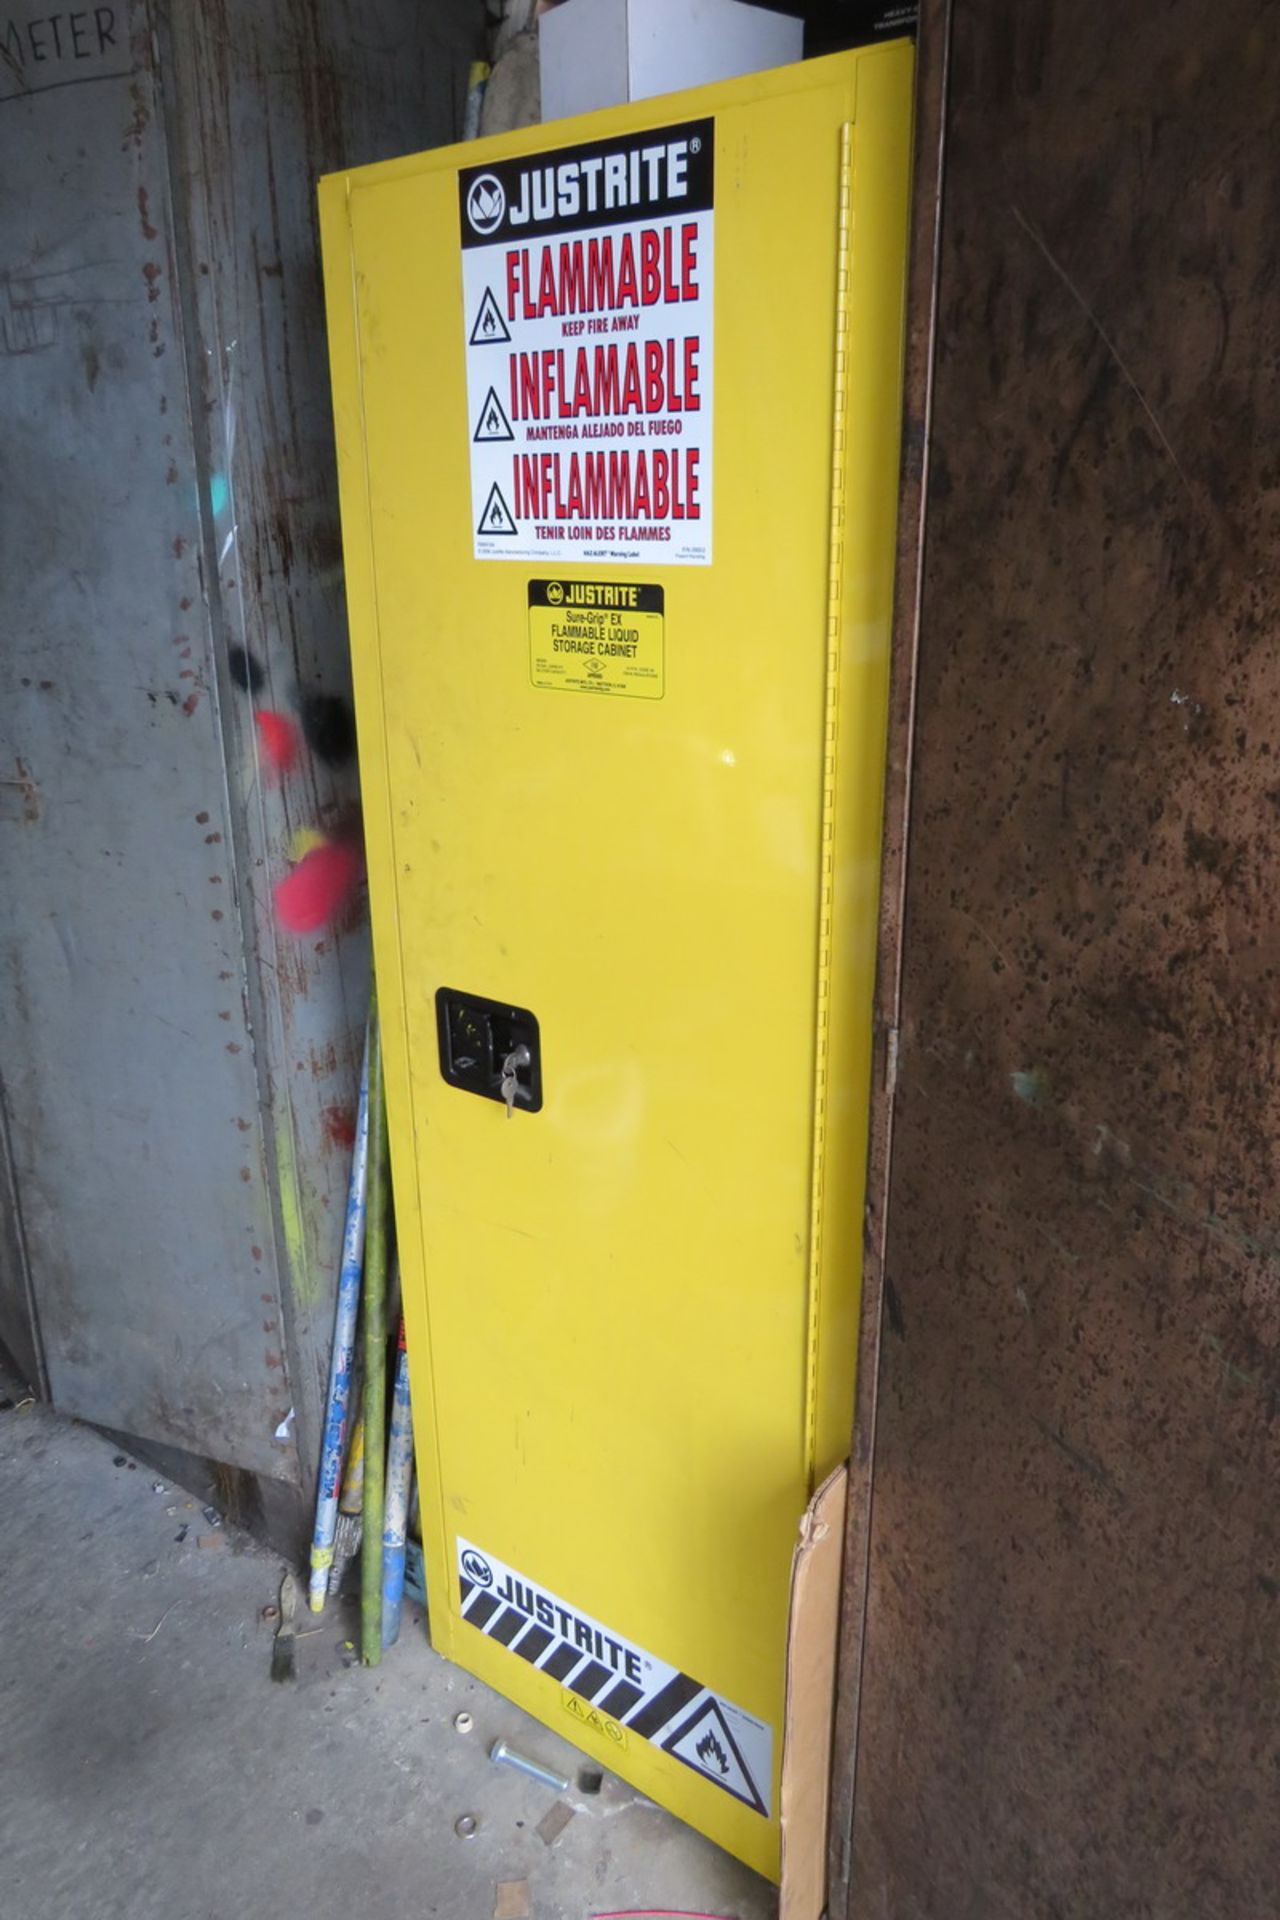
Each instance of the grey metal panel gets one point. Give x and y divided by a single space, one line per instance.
182 1079
266 98
126 1052
19 1333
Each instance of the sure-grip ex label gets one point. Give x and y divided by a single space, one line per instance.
597 636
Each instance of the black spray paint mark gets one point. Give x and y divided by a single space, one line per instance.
246 669
329 727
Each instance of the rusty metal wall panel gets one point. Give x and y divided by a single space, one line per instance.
129 1075
1068 1700
932 46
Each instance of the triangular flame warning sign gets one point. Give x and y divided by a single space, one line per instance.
493 423
704 1742
496 517
490 328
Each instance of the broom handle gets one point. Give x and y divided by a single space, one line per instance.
375 1361
396 1518
344 1345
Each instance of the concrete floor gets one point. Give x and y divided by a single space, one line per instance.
149 1769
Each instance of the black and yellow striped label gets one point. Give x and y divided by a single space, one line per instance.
618 1684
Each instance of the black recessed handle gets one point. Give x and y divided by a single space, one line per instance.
480 1038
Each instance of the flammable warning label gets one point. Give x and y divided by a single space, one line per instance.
597 636
588 285
622 1689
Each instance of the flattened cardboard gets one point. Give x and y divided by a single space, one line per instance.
811 1681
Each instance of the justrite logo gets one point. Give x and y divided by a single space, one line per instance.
555 592
477 1568
486 203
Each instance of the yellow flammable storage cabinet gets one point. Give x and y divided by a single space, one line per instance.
618 419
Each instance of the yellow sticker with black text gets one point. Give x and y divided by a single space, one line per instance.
597 636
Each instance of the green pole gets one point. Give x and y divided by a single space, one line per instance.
375 1359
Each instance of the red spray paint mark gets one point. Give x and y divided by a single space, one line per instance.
202 819
278 738
139 118
340 1126
151 274
320 887
190 704
148 231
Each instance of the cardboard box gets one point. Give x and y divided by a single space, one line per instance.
602 53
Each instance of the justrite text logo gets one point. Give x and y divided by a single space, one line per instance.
580 1633
589 185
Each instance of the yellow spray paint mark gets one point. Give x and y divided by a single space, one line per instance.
291 1223
304 840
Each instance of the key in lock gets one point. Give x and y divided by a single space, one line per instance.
510 1081
490 1048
